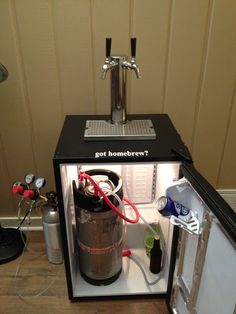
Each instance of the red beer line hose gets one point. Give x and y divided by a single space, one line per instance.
98 190
126 253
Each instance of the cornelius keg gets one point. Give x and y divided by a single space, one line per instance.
99 229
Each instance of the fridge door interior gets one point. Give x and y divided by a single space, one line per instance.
204 278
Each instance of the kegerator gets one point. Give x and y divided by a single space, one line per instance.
137 219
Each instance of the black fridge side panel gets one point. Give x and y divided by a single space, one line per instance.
56 165
172 266
219 207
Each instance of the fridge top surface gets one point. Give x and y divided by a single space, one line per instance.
168 145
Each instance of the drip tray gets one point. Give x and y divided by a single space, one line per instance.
96 130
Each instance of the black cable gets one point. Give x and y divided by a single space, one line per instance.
22 221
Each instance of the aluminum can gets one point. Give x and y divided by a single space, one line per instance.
168 207
52 235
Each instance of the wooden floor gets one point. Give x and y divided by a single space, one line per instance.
35 274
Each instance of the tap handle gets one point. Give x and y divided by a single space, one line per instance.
108 47
133 47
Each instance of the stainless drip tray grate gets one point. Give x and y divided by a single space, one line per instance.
96 130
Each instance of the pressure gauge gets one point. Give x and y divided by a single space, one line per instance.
29 178
40 182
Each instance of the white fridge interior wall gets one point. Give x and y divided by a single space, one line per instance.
142 184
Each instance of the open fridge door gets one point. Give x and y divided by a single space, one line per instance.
204 279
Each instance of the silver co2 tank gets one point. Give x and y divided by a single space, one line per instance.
51 230
99 229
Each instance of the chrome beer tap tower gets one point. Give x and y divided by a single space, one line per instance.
119 127
118 65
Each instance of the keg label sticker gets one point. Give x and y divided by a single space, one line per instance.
126 153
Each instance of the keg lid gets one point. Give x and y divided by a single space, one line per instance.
106 185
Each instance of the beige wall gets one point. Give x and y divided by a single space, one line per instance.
54 51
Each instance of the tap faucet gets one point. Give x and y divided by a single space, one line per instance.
108 65
132 65
118 65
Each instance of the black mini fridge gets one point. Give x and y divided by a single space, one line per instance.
107 255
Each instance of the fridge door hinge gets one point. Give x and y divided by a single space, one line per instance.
183 153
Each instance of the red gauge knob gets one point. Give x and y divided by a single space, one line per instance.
30 194
18 189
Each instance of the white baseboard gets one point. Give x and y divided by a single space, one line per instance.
229 196
12 222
